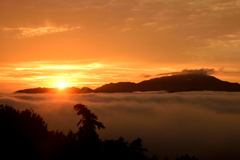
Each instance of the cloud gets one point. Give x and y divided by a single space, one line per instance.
205 124
39 31
131 28
202 71
47 73
145 75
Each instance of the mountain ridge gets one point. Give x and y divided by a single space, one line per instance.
174 83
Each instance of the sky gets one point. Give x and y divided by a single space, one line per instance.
91 43
204 124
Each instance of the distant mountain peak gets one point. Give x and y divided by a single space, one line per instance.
174 83
72 90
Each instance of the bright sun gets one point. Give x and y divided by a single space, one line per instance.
61 85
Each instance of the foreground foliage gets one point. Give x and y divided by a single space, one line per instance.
24 135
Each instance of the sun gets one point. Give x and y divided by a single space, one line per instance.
61 85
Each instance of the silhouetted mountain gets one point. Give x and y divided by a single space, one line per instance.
188 82
118 87
72 90
175 83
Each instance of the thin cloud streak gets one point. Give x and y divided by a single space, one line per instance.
32 32
87 74
73 73
173 32
202 71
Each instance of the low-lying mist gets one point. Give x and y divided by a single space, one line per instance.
205 124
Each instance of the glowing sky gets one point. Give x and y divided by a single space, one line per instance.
93 42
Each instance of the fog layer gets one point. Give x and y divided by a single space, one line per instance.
205 124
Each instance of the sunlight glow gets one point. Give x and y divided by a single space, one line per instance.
61 85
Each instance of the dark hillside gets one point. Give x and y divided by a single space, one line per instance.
175 83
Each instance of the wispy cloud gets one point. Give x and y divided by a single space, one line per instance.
169 23
143 75
47 73
39 31
202 71
73 73
176 33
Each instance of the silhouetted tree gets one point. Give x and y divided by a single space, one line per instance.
186 157
71 138
88 143
23 134
87 124
121 149
154 158
166 158
117 149
137 149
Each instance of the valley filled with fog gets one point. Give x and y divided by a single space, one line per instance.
204 124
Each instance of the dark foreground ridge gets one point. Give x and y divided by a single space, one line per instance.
175 83
24 135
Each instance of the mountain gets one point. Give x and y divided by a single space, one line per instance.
72 90
174 83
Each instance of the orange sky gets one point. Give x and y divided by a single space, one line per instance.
90 43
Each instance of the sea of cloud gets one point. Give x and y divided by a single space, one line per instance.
205 124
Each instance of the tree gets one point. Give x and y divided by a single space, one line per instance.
23 133
137 149
88 142
186 157
87 124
